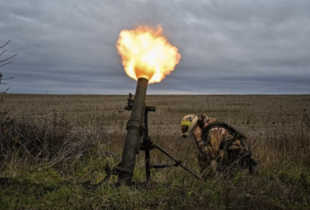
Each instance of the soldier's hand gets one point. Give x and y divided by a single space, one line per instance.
198 133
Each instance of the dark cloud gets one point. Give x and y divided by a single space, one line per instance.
242 46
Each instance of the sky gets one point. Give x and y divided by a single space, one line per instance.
226 47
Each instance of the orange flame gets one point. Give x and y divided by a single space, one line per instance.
146 53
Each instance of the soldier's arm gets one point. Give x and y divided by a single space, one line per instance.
202 147
210 146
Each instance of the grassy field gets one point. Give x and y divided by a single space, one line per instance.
55 148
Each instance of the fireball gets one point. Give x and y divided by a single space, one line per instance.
147 53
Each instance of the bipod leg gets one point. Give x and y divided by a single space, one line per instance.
147 166
178 163
146 146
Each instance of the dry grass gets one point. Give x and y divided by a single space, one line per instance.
90 130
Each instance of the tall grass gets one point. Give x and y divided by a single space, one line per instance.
51 161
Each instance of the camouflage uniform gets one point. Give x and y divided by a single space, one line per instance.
215 154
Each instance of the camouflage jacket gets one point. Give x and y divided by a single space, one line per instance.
209 152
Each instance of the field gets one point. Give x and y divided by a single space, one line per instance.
54 149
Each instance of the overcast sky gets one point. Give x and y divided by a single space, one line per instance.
227 47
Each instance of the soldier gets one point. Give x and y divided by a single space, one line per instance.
220 146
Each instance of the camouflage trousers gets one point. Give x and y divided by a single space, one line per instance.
227 162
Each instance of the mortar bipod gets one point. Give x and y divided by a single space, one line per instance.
148 145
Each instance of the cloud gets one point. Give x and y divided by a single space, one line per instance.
226 46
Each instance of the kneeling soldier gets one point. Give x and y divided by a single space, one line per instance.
220 146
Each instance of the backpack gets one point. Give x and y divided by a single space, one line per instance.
243 157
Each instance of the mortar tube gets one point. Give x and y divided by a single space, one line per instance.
133 137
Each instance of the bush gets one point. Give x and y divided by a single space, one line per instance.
52 142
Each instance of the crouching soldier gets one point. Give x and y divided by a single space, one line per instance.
221 147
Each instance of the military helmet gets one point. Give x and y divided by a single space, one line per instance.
187 125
